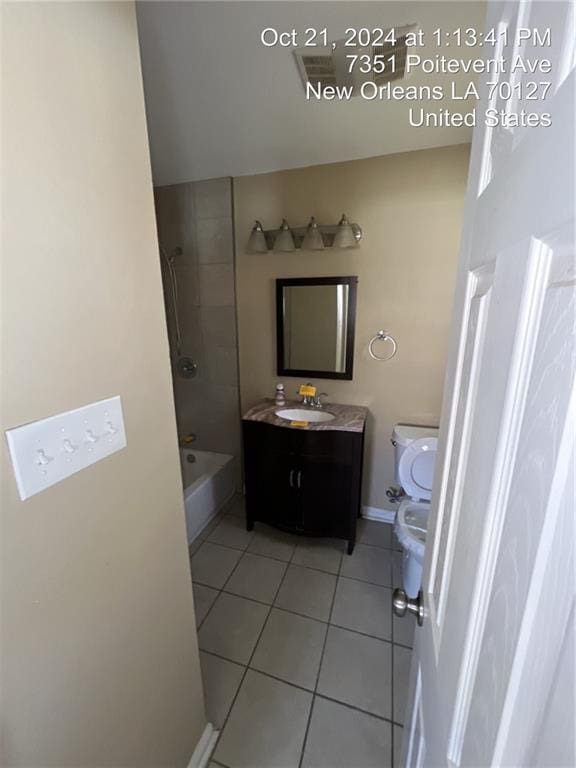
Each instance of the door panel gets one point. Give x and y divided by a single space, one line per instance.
417 743
544 410
479 289
519 282
498 585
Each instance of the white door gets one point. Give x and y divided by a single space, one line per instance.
493 667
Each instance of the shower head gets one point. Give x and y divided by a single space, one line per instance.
170 259
177 251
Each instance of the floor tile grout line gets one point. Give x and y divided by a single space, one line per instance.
232 703
223 658
246 668
282 680
208 611
302 615
233 571
220 591
295 565
304 742
240 559
388 720
230 546
310 691
328 624
290 561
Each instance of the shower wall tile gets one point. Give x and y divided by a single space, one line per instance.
222 363
191 394
175 216
214 241
216 285
223 394
191 329
219 326
188 284
197 217
218 429
213 199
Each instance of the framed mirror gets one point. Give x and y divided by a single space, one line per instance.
315 319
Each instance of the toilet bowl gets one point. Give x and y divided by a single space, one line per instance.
411 526
415 449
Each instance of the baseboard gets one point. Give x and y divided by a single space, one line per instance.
204 748
377 513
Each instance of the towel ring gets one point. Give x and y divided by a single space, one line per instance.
382 336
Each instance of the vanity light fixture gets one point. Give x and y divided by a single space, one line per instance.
313 240
345 237
284 242
257 240
314 237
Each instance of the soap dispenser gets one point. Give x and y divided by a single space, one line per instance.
280 396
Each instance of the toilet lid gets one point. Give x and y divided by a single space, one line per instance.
416 468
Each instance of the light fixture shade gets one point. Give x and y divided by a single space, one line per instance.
257 241
344 237
284 241
313 238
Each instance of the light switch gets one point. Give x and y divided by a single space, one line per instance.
45 452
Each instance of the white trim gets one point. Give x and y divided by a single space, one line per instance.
377 513
204 748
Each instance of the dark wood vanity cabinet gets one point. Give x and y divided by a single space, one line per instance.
303 481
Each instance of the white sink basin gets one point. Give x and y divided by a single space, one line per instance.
302 414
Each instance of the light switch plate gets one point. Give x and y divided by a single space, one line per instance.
45 452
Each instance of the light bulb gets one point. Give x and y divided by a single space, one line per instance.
313 238
344 234
284 242
257 241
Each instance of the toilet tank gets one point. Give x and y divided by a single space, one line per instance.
403 435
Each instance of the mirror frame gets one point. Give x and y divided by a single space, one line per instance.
281 283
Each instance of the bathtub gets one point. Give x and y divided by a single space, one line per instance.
209 482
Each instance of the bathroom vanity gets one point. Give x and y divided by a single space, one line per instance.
304 476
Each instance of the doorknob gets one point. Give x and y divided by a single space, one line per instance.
403 604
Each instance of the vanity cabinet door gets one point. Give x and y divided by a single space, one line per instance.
270 471
325 486
276 499
303 481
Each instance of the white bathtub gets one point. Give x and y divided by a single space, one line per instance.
209 483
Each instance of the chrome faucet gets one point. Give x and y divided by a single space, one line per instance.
307 399
316 402
313 402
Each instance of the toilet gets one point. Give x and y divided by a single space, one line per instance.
415 455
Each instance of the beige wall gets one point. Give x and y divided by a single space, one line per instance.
99 665
410 208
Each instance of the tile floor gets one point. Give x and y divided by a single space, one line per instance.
303 664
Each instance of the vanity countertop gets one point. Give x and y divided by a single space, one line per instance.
348 418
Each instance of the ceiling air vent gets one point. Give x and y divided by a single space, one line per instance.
327 67
395 68
318 69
